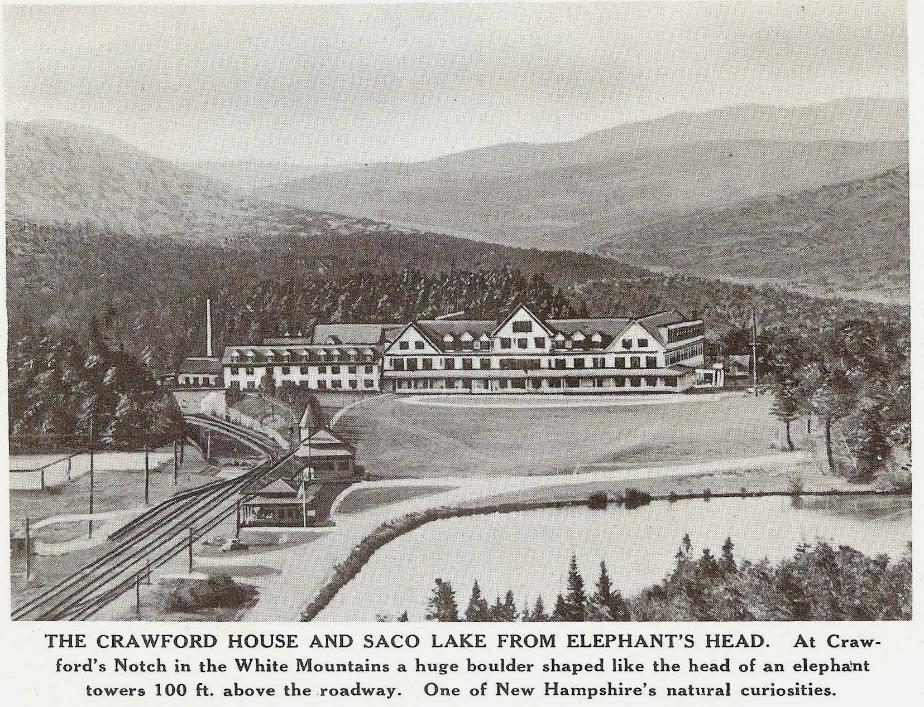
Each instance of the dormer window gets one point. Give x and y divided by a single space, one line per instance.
597 337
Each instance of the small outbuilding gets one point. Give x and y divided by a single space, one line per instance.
326 457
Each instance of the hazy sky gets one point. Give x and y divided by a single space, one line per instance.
405 82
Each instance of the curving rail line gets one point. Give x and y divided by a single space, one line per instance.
151 539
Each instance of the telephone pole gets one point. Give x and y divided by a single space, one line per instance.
754 351
28 551
90 522
147 475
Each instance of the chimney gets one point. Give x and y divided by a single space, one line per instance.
208 327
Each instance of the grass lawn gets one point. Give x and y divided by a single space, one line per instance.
804 473
398 440
364 499
113 491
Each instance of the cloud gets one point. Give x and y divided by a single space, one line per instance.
366 83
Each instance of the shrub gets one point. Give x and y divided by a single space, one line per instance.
215 591
633 498
597 500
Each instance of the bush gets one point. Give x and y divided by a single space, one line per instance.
597 500
216 591
633 498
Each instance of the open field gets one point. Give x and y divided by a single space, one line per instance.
396 439
30 471
113 491
362 499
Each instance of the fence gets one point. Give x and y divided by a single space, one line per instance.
35 472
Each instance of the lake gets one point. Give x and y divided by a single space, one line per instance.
529 551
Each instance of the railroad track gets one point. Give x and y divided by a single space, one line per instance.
150 540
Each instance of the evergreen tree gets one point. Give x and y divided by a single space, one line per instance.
477 609
505 610
538 613
442 604
576 598
524 612
607 604
727 563
561 611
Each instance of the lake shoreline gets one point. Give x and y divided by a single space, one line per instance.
347 570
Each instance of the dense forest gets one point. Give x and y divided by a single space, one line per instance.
65 394
149 294
153 290
818 583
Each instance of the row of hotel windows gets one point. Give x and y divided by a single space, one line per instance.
309 358
304 370
682 354
467 384
539 342
197 380
426 364
684 332
353 384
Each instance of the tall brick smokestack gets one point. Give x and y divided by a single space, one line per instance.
208 327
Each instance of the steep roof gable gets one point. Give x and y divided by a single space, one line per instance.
516 310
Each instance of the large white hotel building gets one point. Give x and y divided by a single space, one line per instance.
521 353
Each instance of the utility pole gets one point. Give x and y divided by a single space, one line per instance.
176 463
147 474
304 488
190 549
28 550
237 517
754 351
138 595
90 522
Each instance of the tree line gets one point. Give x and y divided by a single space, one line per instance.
151 293
855 379
67 394
818 583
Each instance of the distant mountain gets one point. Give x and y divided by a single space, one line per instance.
580 193
249 175
843 238
64 172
